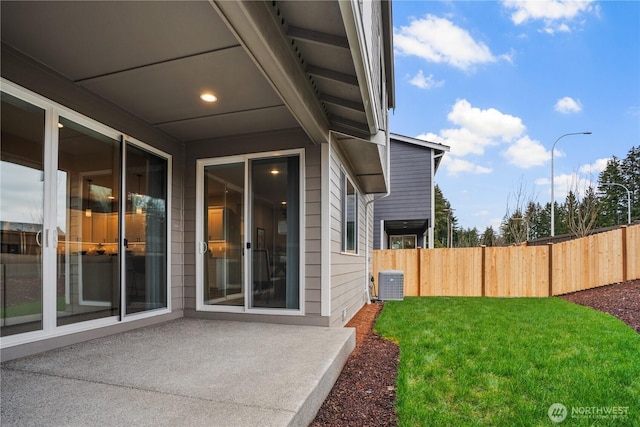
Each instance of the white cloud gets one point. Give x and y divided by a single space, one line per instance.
568 105
564 183
439 40
428 82
483 212
488 123
526 153
454 165
477 129
547 10
595 167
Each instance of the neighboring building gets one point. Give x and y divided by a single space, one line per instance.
151 203
404 219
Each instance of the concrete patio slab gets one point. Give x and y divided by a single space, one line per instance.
183 372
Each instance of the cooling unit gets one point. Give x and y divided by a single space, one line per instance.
391 285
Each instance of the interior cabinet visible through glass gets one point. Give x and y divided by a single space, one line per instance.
21 216
88 284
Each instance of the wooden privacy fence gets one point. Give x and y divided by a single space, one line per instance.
517 271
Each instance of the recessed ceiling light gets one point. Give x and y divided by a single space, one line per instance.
208 97
275 171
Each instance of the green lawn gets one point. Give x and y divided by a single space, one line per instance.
503 362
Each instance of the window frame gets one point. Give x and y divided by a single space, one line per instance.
350 243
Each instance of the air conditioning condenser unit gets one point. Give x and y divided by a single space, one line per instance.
390 285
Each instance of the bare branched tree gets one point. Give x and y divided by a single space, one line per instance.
516 220
582 210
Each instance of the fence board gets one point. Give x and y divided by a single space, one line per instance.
451 272
633 252
517 271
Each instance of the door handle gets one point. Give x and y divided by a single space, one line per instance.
203 247
126 243
39 237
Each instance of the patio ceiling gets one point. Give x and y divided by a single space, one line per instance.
154 59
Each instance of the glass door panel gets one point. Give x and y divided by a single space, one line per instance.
275 216
146 189
21 216
88 274
223 240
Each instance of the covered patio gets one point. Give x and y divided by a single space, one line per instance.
182 372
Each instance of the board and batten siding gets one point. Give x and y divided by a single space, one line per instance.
411 185
347 270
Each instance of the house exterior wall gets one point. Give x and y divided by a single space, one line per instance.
411 186
267 142
347 270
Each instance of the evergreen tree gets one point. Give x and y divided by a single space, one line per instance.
489 237
612 202
442 211
631 179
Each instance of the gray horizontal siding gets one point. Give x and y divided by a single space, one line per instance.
411 186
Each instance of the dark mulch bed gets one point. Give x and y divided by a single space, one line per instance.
364 394
621 300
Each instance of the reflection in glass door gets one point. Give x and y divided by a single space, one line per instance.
222 242
21 216
88 278
145 230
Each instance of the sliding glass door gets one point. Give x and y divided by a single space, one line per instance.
145 241
21 215
88 274
84 220
222 248
248 230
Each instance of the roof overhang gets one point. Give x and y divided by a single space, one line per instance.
275 65
406 226
438 149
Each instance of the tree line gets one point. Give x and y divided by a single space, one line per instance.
608 202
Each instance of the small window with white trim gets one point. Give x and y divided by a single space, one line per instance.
349 216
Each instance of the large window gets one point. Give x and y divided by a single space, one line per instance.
349 216
84 220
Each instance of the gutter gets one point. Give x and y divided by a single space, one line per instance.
352 22
366 209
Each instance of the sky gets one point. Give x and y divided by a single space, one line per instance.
500 81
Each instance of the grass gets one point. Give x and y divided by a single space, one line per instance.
28 308
503 362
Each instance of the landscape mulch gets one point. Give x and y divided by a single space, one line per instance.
364 394
621 300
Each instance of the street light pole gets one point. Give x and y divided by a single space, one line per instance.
628 198
552 198
449 233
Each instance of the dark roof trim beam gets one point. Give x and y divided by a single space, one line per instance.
340 102
332 75
317 37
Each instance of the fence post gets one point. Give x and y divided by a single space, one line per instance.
483 278
625 265
419 272
550 245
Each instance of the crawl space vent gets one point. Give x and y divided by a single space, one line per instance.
390 285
